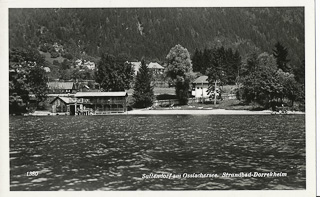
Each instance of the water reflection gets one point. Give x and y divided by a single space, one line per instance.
113 152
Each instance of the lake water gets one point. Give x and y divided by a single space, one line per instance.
116 152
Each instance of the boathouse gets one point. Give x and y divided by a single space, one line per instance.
99 103
63 104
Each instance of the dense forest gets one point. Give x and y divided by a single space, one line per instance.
151 32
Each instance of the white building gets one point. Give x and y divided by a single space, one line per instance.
200 87
85 64
89 65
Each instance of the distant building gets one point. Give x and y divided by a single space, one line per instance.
57 47
89 65
79 63
58 87
153 67
156 68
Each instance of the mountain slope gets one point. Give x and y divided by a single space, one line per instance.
151 32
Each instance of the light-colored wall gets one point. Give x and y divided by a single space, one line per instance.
200 90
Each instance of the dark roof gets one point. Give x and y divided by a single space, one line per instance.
61 85
100 94
201 80
66 100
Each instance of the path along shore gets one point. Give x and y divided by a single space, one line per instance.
203 112
178 112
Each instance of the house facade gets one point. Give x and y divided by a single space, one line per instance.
62 104
91 103
156 68
200 87
99 103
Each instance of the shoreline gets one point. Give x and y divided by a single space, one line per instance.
205 112
147 111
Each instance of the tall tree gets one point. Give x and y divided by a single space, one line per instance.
216 70
197 60
27 75
143 90
179 69
281 53
113 75
37 80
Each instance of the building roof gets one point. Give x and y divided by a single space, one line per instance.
60 95
201 80
66 100
100 94
155 65
61 85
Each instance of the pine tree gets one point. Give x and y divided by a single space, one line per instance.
143 90
280 53
197 60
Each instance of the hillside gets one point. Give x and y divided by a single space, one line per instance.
151 32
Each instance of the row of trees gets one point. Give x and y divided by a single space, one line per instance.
266 82
218 61
262 78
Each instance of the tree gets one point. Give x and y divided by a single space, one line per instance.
143 90
266 83
27 75
261 84
216 70
281 53
113 75
37 80
197 60
179 69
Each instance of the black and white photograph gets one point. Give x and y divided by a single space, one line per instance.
160 98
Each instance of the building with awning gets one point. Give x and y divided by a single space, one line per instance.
99 103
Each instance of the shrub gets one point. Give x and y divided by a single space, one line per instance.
54 54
